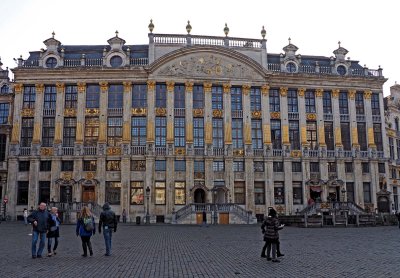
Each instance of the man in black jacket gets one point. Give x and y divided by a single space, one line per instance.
108 222
39 220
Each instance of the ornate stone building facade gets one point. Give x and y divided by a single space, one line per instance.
190 123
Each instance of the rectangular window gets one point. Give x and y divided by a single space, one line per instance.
236 99
69 132
115 96
381 168
296 167
256 134
367 192
345 132
350 191
279 193
113 165
179 96
294 135
26 132
239 192
327 103
161 131
395 198
293 106
50 97
198 97
312 135
23 166
258 166
238 166
23 192
160 193
348 167
378 137
3 147
29 97
198 169
114 131
179 131
365 167
48 130
314 167
329 137
139 131
375 104
362 136
45 166
67 165
160 165
398 148
137 196
391 147
71 96
218 133
180 165
113 192
274 101
278 166
393 173
161 95
4 111
237 133
332 167
218 166
255 99
93 96
297 193
343 103
138 165
180 193
259 193
310 102
90 165
44 191
217 98
276 135
198 132
139 96
360 103
92 125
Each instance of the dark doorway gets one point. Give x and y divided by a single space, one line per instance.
199 196
88 194
315 193
66 194
383 204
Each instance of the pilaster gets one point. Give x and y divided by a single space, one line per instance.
80 112
284 116
320 116
151 87
127 115
336 120
103 112
227 114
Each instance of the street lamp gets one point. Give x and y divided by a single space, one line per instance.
148 205
215 216
343 194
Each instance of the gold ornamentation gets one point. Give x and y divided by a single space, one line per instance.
354 135
170 86
301 92
66 175
319 92
79 132
325 205
371 139
247 133
89 175
338 136
246 89
285 135
217 113
283 91
60 87
160 111
102 131
256 114
139 111
126 132
198 112
103 86
15 133
58 133
228 133
113 151
39 88
227 88
395 181
367 94
295 153
28 112
303 134
170 131
238 152
391 132
127 87
207 87
151 85
18 88
352 94
150 131
81 87
180 151
92 111
189 132
208 134
69 112
265 90
280 209
311 116
189 87
199 175
267 134
335 93
275 115
321 135
46 151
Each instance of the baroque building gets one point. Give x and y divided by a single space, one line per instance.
189 123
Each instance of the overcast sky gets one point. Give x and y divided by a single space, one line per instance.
368 29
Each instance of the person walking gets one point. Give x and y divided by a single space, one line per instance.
54 231
108 222
270 228
25 216
85 228
123 216
40 220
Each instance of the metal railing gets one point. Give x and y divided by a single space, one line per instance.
25 151
90 150
68 150
138 150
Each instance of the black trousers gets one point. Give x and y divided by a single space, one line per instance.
86 244
278 248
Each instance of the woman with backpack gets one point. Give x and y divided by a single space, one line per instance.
53 232
85 228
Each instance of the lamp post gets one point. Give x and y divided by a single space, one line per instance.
148 205
215 216
68 196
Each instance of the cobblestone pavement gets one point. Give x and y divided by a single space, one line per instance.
216 251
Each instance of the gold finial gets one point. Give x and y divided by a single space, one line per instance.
339 43
188 27
290 40
116 33
151 26
263 32
53 34
226 30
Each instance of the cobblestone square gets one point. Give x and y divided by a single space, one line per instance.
214 251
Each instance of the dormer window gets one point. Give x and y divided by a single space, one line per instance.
116 61
341 70
51 63
291 67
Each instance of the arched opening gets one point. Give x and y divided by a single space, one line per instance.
199 196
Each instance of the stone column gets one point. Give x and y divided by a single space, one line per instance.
125 184
150 159
18 100
227 114
353 119
368 119
284 118
170 157
80 113
208 161
127 116
58 132
33 197
78 175
288 186
266 116
12 185
269 178
189 140
302 117
358 183
103 113
37 125
336 120
55 175
320 117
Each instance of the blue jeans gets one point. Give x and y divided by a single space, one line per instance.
42 243
107 233
49 243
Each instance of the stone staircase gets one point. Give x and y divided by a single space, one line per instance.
70 210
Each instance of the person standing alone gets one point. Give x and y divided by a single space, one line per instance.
39 220
108 222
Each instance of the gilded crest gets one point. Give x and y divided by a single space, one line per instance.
256 114
246 89
151 85
113 151
89 175
301 92
264 90
28 112
81 87
180 151
217 113
92 111
275 115
70 112
207 87
295 153
18 88
139 111
311 116
198 112
46 151
238 152
283 91
160 111
319 92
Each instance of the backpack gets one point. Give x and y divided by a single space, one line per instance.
88 224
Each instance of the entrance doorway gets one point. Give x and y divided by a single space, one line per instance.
383 204
66 194
88 194
220 196
199 196
315 193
